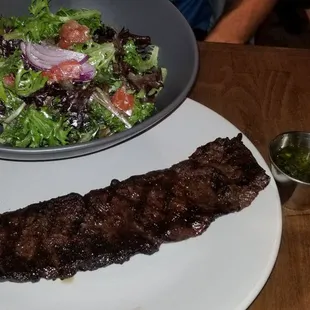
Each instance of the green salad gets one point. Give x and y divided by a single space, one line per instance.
67 78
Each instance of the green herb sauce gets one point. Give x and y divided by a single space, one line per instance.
295 162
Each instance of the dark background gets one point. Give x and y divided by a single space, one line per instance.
287 26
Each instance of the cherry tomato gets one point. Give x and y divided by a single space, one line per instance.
9 80
123 100
72 32
67 70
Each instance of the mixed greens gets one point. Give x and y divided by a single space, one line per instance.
67 78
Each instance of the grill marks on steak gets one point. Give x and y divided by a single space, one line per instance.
57 238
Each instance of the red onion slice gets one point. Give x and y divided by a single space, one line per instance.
44 57
88 72
56 52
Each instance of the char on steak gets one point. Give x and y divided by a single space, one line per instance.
57 238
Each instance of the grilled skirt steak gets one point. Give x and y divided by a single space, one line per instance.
57 238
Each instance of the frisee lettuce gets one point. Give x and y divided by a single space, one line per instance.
36 128
100 55
28 81
89 18
43 24
133 58
10 64
140 112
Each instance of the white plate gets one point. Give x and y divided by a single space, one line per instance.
224 269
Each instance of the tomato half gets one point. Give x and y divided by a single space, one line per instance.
67 70
123 100
72 32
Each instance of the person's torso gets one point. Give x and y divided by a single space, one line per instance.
200 14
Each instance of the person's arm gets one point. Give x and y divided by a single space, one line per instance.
241 21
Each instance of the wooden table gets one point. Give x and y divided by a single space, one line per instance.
265 91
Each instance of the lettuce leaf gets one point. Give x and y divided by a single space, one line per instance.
28 81
100 55
43 24
36 128
141 111
89 18
11 64
135 59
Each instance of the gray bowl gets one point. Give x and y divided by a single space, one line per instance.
178 53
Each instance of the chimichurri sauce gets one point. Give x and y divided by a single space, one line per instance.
295 162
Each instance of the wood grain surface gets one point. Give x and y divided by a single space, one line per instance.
265 91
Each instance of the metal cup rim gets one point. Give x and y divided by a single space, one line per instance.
273 162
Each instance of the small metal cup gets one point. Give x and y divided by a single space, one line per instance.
295 193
